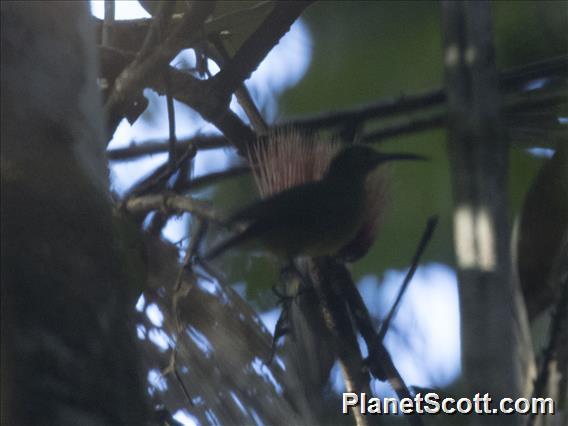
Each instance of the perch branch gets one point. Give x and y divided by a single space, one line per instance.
334 311
172 202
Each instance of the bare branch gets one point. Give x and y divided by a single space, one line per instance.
514 119
135 76
160 176
257 46
510 80
322 271
154 34
172 141
243 96
382 108
156 147
197 95
379 361
407 127
108 22
426 236
210 97
172 202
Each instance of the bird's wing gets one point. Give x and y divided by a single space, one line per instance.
284 210
280 216
250 212
270 207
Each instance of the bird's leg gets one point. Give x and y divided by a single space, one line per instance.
282 328
297 277
293 283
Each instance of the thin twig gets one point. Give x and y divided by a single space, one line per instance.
171 121
132 32
536 101
382 108
426 236
135 150
199 229
161 18
410 126
106 38
521 75
183 388
179 291
159 177
161 218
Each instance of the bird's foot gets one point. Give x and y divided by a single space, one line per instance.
282 328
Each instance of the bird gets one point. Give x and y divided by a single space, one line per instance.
315 218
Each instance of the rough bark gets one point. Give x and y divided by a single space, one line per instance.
68 350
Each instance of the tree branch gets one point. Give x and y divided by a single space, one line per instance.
413 125
379 361
410 126
322 271
509 80
159 177
172 202
191 92
243 96
257 46
431 225
201 142
148 64
382 108
106 38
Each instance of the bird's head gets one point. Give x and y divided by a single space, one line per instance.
360 160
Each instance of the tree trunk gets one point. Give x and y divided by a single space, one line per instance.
495 336
68 348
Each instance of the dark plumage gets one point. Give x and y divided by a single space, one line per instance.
316 218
